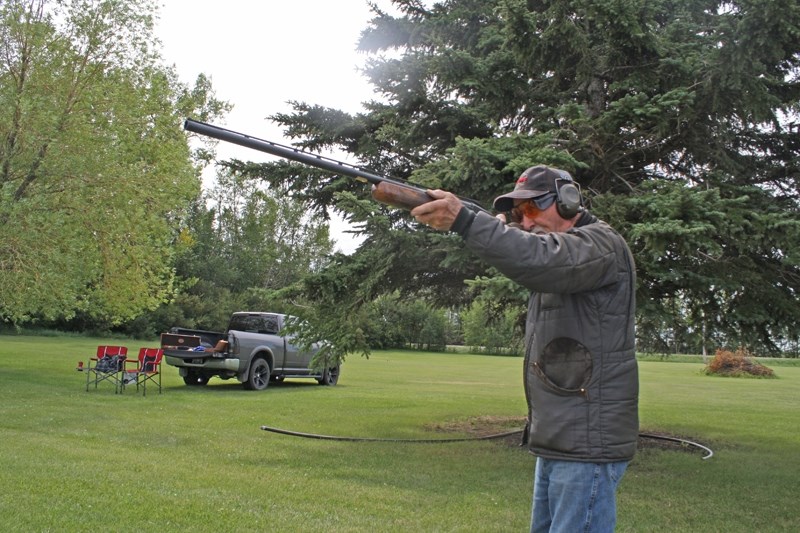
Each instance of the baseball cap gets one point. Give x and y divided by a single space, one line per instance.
535 182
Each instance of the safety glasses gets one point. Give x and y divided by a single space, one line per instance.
532 207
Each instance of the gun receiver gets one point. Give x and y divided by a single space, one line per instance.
389 191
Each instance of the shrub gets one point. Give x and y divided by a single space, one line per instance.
735 364
493 329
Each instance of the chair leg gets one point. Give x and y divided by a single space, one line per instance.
93 376
152 378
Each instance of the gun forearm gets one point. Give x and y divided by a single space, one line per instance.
399 196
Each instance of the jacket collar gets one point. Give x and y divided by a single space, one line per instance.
585 219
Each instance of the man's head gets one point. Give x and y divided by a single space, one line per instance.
544 185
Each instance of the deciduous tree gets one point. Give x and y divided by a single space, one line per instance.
93 163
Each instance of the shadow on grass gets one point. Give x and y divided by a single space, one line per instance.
219 386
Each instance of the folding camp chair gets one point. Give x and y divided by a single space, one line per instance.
107 366
147 368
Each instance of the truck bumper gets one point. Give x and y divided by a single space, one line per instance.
206 363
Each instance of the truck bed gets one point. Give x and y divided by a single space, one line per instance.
208 339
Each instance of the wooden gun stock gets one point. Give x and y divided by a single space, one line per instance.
399 196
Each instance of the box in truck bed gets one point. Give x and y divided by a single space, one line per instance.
172 341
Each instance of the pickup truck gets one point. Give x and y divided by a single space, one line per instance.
253 350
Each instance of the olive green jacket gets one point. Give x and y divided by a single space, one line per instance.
581 378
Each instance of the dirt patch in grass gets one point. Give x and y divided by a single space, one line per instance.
508 430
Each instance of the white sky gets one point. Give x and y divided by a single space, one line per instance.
260 54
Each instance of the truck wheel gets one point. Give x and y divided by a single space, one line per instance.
258 377
330 376
195 379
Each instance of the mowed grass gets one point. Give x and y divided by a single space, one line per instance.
195 459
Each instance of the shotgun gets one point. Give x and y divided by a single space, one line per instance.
393 192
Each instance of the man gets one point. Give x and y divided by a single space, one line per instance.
581 378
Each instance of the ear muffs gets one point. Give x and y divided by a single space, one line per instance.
569 201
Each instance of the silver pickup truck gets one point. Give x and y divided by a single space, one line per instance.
253 350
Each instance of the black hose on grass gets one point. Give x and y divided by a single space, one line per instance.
375 439
708 451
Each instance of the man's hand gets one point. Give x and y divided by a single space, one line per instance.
441 212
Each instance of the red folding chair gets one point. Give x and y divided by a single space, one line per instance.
148 368
107 366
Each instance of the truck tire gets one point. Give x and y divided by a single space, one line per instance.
195 379
258 377
330 376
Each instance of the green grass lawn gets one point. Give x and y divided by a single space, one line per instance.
195 459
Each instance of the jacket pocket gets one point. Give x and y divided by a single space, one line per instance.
564 367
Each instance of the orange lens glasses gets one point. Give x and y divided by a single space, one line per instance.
532 208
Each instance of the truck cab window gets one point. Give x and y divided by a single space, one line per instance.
271 324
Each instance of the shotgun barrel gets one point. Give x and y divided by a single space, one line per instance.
389 191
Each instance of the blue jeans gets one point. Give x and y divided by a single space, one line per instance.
572 497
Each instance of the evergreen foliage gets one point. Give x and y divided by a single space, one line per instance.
678 118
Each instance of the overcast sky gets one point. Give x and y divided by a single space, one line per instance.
261 54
